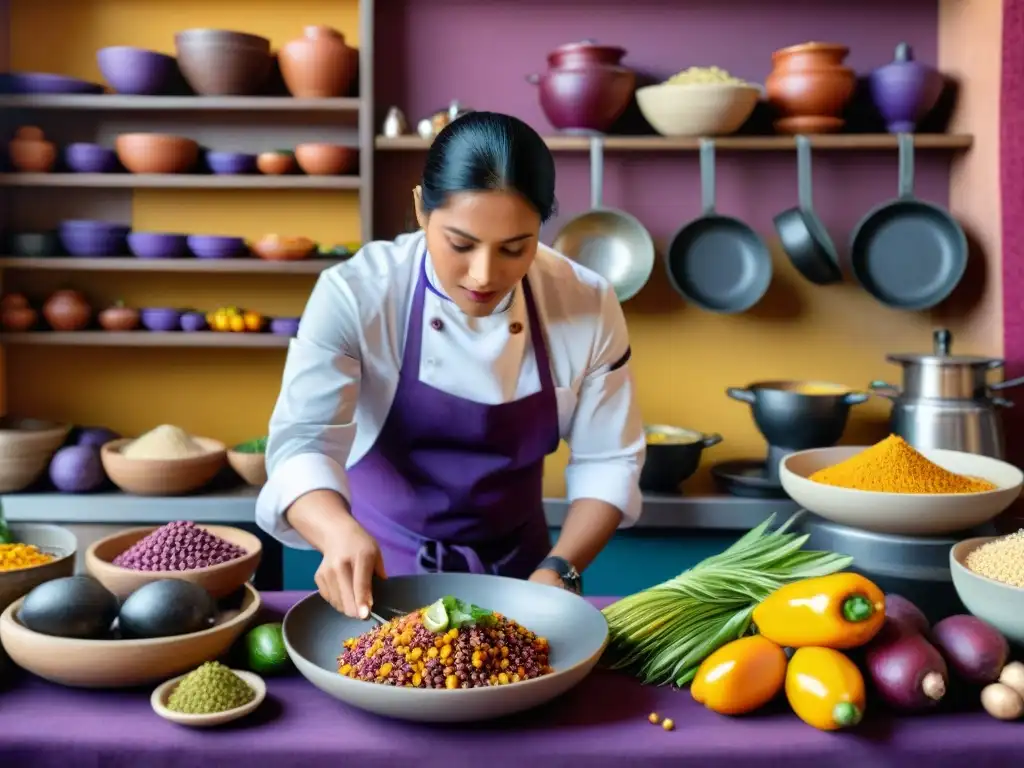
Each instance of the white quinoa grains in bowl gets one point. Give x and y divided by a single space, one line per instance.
1001 560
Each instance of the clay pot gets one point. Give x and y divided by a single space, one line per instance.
318 65
905 91
119 318
275 163
278 248
67 311
13 301
326 159
156 152
585 87
30 152
18 316
810 87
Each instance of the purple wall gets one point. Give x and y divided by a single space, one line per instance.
478 51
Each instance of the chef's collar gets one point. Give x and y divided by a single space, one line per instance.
434 284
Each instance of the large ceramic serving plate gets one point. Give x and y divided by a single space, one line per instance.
902 513
576 631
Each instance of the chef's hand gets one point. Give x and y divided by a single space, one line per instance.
547 576
350 559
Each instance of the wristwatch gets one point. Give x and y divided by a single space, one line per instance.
566 572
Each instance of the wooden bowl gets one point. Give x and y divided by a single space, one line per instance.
162 694
121 663
162 477
252 467
156 152
49 538
19 437
326 159
219 580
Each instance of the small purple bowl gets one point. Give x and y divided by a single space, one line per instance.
45 82
93 238
160 319
231 163
216 246
284 326
90 158
192 322
136 71
158 245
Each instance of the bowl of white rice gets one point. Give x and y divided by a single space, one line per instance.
988 575
166 461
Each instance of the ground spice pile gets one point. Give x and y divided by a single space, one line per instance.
893 466
1000 560
14 557
210 688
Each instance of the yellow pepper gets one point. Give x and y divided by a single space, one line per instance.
236 323
741 676
825 689
220 321
844 610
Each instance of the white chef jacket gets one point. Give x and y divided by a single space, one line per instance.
342 370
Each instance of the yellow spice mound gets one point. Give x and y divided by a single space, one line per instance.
893 466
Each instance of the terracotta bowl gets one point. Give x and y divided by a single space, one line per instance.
21 436
156 152
222 63
251 467
51 539
162 477
278 248
275 163
326 159
121 663
219 580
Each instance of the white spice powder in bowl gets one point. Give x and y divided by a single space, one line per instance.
988 575
166 461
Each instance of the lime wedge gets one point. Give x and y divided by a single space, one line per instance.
435 618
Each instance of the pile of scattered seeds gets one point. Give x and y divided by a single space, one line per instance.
210 688
178 546
1000 559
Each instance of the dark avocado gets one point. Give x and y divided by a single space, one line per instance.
166 607
74 606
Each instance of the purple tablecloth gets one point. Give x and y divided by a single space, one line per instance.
602 723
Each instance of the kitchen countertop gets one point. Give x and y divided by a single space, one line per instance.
600 724
237 506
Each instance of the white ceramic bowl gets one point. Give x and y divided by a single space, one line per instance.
705 109
999 604
162 694
901 513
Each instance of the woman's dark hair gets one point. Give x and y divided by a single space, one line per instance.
489 151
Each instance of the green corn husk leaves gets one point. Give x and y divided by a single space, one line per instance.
663 633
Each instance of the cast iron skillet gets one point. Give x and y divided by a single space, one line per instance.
803 236
907 253
718 262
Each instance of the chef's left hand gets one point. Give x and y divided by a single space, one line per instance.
547 576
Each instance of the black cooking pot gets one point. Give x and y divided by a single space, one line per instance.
673 461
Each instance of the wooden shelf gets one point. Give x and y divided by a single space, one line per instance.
846 142
117 102
175 181
220 340
236 266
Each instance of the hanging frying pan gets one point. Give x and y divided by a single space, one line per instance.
907 253
718 262
610 242
804 238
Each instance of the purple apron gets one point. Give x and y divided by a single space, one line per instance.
455 485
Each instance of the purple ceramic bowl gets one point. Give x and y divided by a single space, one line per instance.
160 319
193 322
231 163
45 82
284 326
158 245
136 71
93 238
216 246
90 158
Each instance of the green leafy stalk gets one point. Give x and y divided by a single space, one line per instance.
663 633
6 537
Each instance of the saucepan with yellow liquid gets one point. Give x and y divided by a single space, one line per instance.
673 455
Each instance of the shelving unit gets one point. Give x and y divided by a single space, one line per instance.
175 181
142 338
117 102
246 266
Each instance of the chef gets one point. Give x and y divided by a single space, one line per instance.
431 375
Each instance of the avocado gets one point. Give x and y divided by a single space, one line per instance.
73 606
166 607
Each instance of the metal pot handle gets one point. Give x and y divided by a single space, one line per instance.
713 439
1008 384
738 393
855 398
596 172
1002 402
707 177
884 389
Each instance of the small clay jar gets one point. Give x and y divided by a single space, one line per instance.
809 87
275 163
16 314
318 65
67 311
30 152
119 318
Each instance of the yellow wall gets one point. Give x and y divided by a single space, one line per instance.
683 358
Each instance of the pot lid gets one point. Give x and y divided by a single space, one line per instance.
940 355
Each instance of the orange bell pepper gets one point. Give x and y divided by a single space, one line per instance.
825 689
741 676
253 321
843 610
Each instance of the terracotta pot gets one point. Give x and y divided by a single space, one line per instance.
278 248
275 163
156 152
326 159
585 88
119 318
67 311
318 65
13 301
18 319
30 152
810 87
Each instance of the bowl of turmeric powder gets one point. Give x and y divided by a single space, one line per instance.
891 487
32 553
